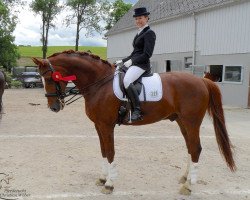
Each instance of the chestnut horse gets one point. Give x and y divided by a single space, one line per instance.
186 99
2 86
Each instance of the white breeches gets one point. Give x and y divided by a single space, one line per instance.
132 75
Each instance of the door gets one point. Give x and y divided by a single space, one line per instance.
168 65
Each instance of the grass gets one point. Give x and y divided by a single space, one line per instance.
27 52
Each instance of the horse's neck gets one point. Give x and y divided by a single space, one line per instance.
89 73
85 70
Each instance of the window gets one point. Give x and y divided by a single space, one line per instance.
198 70
220 73
233 73
188 61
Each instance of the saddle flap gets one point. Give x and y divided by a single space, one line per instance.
152 86
138 83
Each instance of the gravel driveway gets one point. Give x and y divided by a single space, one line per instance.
46 155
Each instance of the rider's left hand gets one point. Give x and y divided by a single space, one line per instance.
128 63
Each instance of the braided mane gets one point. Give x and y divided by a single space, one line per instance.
81 53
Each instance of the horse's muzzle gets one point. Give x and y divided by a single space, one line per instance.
57 106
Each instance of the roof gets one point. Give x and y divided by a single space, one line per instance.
166 9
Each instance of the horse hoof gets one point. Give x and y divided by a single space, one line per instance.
107 190
100 182
185 190
182 180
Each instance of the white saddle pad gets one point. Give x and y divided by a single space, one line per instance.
153 88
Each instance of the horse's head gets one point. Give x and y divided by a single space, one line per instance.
54 82
212 77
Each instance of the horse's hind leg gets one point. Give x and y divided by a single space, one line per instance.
191 135
183 179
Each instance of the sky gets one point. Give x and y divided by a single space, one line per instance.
28 30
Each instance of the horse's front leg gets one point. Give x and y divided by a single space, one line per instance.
104 165
104 173
109 172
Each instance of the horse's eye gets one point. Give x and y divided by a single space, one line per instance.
49 81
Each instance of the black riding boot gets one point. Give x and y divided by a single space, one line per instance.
133 96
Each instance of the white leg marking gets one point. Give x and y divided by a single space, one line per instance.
112 174
188 166
193 173
104 169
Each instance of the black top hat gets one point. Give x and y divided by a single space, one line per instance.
141 11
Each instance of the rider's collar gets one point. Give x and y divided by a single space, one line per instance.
141 29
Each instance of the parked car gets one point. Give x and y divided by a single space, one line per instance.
31 79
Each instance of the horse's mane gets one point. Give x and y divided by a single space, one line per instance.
81 53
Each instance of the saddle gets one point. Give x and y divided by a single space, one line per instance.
138 83
126 105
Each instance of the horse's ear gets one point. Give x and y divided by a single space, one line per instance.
37 61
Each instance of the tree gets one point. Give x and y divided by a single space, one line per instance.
48 9
12 3
119 8
14 6
8 50
86 14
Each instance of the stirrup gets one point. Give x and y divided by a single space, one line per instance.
136 116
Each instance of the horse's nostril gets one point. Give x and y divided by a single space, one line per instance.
54 109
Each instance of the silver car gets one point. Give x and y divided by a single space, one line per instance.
31 79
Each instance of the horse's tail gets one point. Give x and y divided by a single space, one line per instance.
215 110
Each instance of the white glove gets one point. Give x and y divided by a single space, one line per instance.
128 63
118 62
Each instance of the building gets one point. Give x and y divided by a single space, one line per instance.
195 36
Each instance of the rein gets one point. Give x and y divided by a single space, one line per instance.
73 92
99 83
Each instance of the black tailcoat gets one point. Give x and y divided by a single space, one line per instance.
143 44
